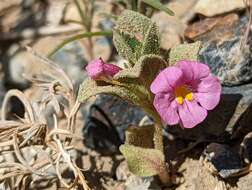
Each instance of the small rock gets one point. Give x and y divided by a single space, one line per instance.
226 161
204 26
212 7
55 12
171 29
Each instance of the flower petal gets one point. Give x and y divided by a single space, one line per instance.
209 92
208 100
111 69
209 84
191 114
193 70
166 107
97 69
166 80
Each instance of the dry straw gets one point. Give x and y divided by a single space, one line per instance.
48 148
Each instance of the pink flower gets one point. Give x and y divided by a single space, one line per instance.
184 93
99 70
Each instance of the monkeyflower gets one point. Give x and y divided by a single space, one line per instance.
184 93
98 70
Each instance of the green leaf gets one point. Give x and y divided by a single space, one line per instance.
78 37
143 72
140 136
185 52
91 88
143 161
131 92
151 42
135 35
132 23
157 5
123 48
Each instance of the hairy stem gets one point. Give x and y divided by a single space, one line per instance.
159 145
158 138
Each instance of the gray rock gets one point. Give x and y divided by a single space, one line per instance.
224 159
106 121
71 59
223 53
120 112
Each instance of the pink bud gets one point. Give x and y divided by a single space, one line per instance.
97 69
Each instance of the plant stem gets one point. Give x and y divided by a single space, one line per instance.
159 145
158 138
80 36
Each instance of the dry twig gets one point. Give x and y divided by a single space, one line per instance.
32 133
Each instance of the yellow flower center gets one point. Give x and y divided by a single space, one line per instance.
183 92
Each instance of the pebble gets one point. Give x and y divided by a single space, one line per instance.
224 159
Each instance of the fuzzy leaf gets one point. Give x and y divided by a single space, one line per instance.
133 23
135 35
151 42
185 52
91 88
143 72
140 136
143 161
124 48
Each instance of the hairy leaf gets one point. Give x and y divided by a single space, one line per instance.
132 92
144 71
124 48
151 42
143 161
133 23
135 35
91 88
184 52
140 136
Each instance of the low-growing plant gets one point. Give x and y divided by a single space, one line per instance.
178 91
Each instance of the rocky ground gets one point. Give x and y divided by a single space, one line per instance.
215 155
